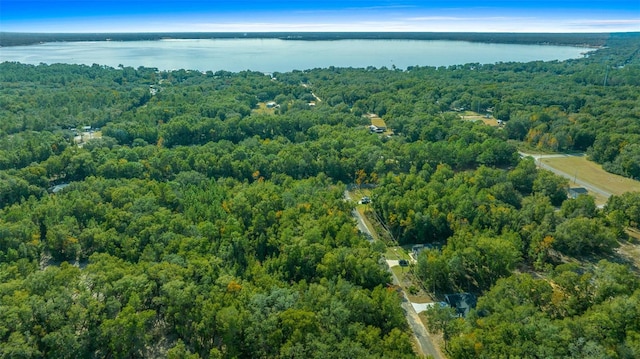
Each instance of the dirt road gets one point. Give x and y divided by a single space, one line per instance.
425 343
362 227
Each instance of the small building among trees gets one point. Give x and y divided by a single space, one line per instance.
577 192
461 302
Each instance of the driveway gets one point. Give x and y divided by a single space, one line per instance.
393 262
362 226
425 343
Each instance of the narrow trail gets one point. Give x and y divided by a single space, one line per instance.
312 93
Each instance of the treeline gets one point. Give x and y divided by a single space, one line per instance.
581 39
203 224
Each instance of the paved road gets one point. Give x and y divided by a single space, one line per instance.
570 176
425 344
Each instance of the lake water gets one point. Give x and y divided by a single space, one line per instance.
274 55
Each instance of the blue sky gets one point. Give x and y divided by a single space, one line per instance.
309 15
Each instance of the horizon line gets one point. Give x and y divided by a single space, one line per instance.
324 32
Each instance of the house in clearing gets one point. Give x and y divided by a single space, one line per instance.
416 249
58 188
577 192
376 129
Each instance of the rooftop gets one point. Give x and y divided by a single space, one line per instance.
461 302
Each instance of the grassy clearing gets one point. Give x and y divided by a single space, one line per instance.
474 116
592 173
404 254
420 298
358 193
407 248
83 137
378 122
263 109
391 254
396 253
400 273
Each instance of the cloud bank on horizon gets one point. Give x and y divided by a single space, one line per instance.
329 15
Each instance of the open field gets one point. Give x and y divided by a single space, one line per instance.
263 110
592 173
400 273
397 253
474 116
378 122
83 137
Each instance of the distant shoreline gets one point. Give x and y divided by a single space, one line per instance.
594 40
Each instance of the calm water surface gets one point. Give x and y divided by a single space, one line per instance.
273 55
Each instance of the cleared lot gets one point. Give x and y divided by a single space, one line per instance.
581 169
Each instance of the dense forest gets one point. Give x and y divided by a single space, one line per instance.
200 223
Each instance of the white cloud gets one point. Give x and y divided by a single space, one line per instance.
402 21
461 18
607 22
